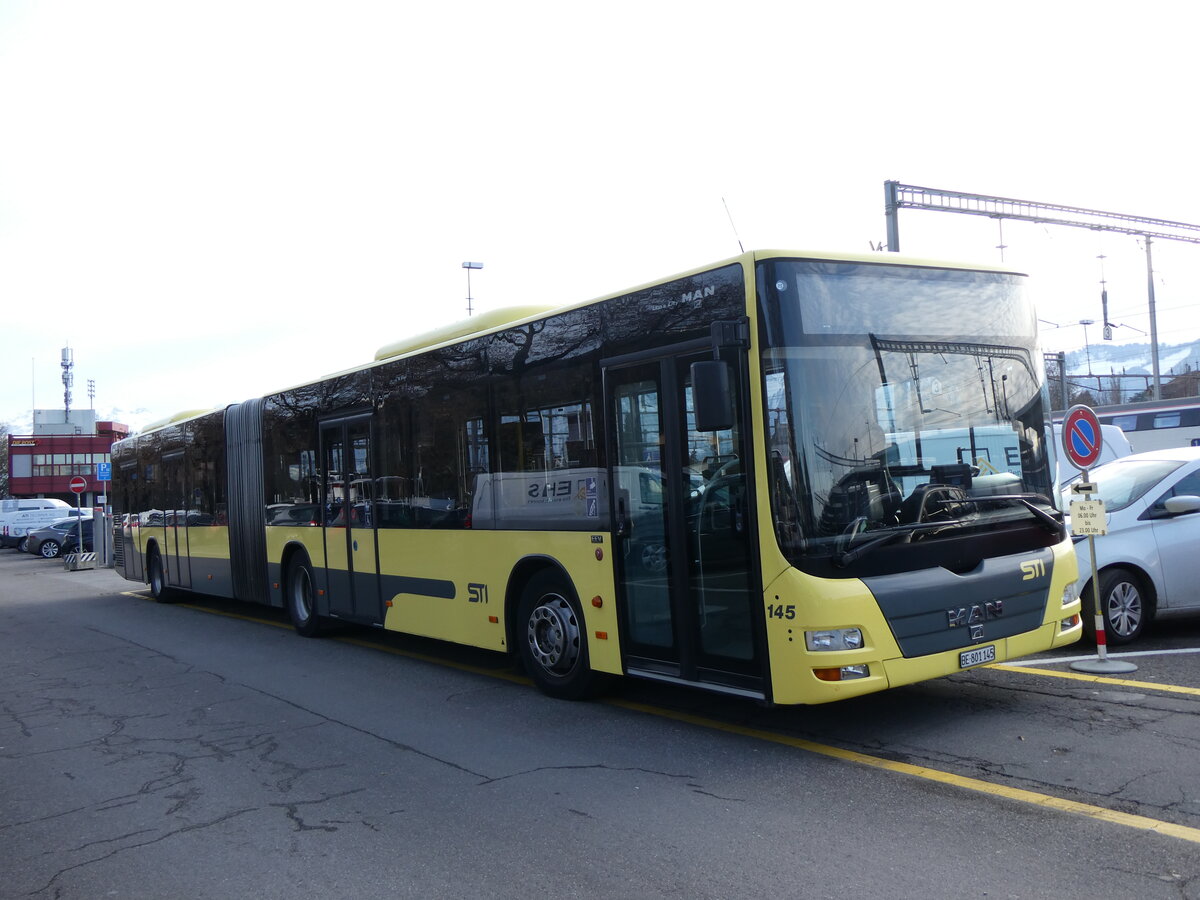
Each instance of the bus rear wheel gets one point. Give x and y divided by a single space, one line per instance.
157 578
553 639
302 598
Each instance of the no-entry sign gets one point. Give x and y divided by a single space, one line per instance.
78 484
1081 437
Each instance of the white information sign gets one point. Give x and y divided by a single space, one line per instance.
1088 517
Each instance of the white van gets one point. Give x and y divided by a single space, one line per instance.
19 517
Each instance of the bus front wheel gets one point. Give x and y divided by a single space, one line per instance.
553 639
301 598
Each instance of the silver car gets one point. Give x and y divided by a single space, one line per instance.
1149 560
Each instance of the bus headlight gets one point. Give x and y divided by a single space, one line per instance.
1070 594
834 639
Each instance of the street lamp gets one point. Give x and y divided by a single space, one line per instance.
1087 350
469 266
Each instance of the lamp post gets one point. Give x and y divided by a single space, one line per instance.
469 266
1087 350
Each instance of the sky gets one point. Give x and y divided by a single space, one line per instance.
210 201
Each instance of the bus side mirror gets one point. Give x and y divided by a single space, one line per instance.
711 396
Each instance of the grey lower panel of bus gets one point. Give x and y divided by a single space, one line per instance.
934 609
212 576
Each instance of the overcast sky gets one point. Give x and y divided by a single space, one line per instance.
210 201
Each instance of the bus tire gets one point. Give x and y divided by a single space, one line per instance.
302 598
1126 604
553 639
157 578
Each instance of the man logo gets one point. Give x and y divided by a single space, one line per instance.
975 615
697 295
1033 568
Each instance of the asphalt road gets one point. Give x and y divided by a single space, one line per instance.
203 750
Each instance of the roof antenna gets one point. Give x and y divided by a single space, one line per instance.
731 225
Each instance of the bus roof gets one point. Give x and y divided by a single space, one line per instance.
506 317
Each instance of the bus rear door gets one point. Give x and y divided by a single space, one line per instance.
352 573
177 564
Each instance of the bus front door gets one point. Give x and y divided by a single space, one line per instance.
690 601
351 571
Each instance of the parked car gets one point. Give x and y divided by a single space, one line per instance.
49 542
1149 560
70 542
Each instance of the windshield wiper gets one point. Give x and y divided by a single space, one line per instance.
843 558
1044 518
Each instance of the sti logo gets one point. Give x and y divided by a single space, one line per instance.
1033 568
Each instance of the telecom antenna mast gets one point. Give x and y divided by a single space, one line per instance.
68 376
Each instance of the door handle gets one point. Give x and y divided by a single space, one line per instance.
624 526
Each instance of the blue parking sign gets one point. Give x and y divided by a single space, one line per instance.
104 471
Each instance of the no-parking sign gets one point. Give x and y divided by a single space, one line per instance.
1081 437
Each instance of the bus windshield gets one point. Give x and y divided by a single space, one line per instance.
903 404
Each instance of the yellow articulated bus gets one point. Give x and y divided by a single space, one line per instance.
788 476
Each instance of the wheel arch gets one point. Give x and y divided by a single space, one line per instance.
521 574
1148 595
292 550
1145 581
149 550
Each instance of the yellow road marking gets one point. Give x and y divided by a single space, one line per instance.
1019 795
1101 679
1142 823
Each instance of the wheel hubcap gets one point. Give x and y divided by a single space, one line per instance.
553 634
1124 609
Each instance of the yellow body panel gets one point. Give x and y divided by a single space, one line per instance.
310 539
480 563
208 542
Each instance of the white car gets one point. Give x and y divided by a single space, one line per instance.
1150 558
